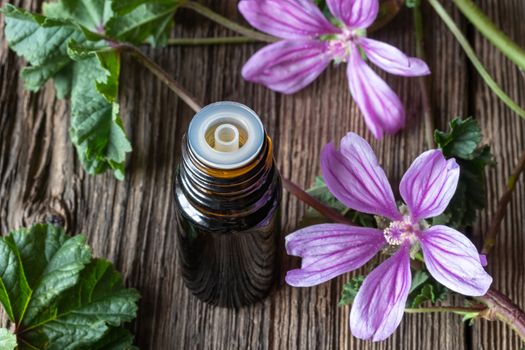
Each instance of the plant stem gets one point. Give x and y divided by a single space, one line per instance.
225 22
455 309
499 39
504 201
499 306
474 59
504 310
325 210
163 76
211 41
424 81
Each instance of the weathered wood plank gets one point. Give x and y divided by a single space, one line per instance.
506 132
133 224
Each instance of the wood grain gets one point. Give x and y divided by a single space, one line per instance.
506 132
133 222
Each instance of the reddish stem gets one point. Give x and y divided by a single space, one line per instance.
161 74
503 309
303 196
490 237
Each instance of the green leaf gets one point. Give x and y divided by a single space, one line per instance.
51 262
470 317
86 312
150 21
36 76
7 340
41 41
73 301
90 14
63 81
36 37
418 278
426 294
79 51
70 45
123 7
88 71
14 288
462 142
96 128
321 192
115 339
350 290
423 289
462 139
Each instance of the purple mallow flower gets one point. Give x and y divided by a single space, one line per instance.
354 177
311 42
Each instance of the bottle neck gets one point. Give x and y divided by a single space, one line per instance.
232 195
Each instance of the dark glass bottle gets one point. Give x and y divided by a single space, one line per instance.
228 195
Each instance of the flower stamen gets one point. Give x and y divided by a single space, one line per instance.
399 232
340 45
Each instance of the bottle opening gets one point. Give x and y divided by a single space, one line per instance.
226 138
226 135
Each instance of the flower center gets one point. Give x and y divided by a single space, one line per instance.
399 232
341 44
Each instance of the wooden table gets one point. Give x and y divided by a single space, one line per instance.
133 223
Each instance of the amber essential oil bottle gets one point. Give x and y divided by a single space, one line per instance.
228 195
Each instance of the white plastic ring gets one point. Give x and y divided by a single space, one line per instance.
234 119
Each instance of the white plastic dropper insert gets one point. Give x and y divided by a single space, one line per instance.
226 138
230 123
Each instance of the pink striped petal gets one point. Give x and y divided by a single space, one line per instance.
429 184
382 109
380 303
454 261
287 19
355 13
287 66
392 60
329 250
354 176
